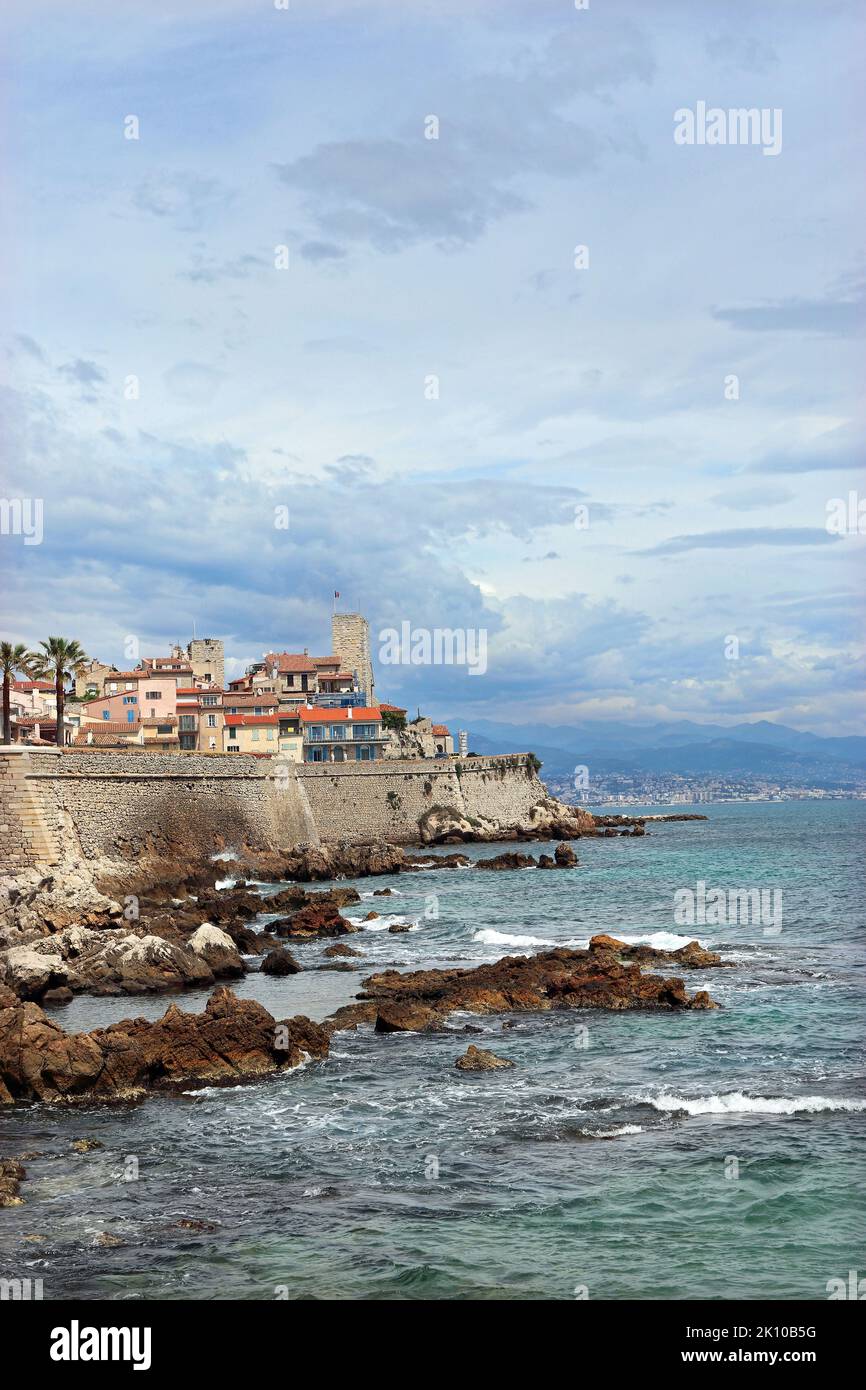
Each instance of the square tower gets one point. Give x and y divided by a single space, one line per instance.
207 658
350 639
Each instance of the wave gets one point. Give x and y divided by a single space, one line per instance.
383 923
225 883
488 936
614 1133
738 1103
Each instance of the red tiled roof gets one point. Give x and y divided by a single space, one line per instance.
32 685
364 715
440 731
125 675
155 719
393 709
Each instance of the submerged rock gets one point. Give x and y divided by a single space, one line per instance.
478 1059
340 948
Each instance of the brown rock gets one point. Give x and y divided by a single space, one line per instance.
232 1040
12 1174
313 920
340 948
478 1059
559 979
280 962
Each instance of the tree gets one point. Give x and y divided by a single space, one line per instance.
12 659
60 660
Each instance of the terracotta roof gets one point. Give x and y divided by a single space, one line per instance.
248 699
32 685
440 731
335 676
112 726
152 722
363 715
34 719
393 709
125 675
291 661
246 720
102 738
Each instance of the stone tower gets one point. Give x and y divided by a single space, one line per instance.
206 656
350 639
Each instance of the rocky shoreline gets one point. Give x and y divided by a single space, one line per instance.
185 933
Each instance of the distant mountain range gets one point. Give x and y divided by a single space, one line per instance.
680 747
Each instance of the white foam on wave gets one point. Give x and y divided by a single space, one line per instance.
617 1131
225 883
488 936
738 1103
383 923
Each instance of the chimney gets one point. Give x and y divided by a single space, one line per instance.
306 651
349 712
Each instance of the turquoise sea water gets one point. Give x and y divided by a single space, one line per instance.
707 1155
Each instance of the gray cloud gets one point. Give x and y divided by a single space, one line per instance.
842 315
743 538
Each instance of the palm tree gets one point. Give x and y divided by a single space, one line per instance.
60 661
12 659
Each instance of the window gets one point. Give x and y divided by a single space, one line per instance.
270 734
304 683
317 755
258 710
289 683
211 721
163 728
207 675
364 754
317 733
338 731
106 714
365 731
233 733
233 748
130 699
255 735
153 695
211 743
130 716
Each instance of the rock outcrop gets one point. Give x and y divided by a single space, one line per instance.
232 1040
12 1174
280 962
692 956
478 1059
559 979
216 949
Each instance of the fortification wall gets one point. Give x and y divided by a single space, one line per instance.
385 800
128 805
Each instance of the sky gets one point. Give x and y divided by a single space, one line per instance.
284 343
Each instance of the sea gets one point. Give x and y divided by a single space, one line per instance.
659 1156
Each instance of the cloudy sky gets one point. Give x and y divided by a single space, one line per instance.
432 387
